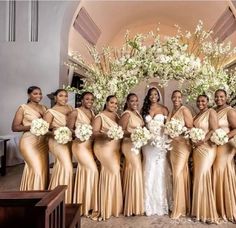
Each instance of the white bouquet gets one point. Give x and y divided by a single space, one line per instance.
155 124
39 127
83 131
63 135
219 137
115 132
139 138
174 128
196 134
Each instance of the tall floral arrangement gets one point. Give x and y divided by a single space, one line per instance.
192 58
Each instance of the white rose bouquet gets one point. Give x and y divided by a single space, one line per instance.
139 138
83 131
39 127
115 132
219 137
155 124
196 134
63 135
174 128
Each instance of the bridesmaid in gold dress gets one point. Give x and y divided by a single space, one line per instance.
224 175
204 153
110 200
34 149
86 181
132 180
62 173
179 156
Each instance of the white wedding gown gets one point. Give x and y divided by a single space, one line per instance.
157 177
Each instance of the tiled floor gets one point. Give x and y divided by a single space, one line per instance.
12 180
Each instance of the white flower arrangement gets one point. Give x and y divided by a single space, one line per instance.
174 128
63 135
196 134
219 137
115 132
39 127
139 138
191 58
83 131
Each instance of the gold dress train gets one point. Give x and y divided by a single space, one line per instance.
179 156
86 180
107 151
203 202
34 150
224 175
133 177
62 173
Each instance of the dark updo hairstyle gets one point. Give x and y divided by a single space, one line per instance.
147 103
30 90
83 95
176 91
203 95
58 91
128 98
107 100
221 90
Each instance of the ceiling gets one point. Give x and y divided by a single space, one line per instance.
112 16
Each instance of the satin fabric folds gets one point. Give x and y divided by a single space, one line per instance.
224 175
62 173
107 151
86 180
179 156
132 179
34 150
203 202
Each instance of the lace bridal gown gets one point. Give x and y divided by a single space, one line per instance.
157 176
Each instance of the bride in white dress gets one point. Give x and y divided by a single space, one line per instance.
156 167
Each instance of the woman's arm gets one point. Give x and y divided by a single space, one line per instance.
231 116
97 125
71 119
48 117
213 124
188 118
17 123
124 123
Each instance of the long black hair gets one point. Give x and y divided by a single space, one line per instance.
147 103
30 90
107 100
128 98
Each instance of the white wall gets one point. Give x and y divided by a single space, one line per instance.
24 63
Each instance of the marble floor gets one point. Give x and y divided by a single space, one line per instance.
12 180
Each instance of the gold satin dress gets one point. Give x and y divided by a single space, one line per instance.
179 156
224 175
34 150
110 200
86 180
62 173
133 177
203 202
